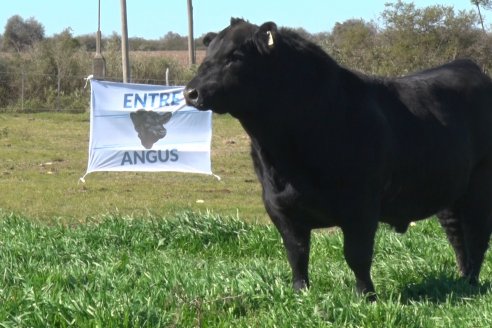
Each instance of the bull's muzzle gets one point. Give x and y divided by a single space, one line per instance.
191 96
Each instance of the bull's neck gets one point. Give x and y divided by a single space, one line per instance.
269 131
303 62
305 90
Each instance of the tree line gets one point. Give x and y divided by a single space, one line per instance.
47 72
22 34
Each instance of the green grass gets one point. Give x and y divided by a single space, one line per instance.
132 249
43 155
206 270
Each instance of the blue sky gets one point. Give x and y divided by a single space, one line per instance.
152 19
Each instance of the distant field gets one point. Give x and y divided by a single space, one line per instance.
43 155
205 270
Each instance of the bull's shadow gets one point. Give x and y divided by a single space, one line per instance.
441 288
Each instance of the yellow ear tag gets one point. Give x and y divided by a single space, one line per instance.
270 39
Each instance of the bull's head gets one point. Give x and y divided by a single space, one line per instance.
149 126
234 76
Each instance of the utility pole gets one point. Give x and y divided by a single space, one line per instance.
191 41
98 62
124 43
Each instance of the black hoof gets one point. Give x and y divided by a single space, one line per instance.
301 285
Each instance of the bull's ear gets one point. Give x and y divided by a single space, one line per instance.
208 38
266 37
165 117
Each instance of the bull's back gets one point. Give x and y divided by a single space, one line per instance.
452 103
441 123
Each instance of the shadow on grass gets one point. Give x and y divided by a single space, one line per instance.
443 289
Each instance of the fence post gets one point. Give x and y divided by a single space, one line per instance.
167 76
22 91
58 87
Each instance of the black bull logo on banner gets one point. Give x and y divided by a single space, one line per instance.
150 126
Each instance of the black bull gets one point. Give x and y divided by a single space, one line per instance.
332 147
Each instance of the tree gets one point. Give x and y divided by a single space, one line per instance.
487 4
87 42
353 43
22 34
416 38
174 41
59 51
5 84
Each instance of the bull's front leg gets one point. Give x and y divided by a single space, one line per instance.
296 241
358 250
297 245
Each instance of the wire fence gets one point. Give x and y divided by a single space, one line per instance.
31 92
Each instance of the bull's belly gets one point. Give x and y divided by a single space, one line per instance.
412 197
420 189
402 213
400 206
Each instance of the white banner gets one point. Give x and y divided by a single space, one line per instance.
140 127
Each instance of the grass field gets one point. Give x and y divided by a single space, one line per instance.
137 250
43 155
205 270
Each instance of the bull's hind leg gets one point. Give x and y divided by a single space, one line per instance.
476 220
451 223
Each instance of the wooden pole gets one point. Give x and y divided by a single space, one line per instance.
124 44
480 15
191 41
98 62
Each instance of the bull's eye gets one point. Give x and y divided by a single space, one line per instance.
235 56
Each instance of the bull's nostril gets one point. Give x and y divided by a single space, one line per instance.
192 94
